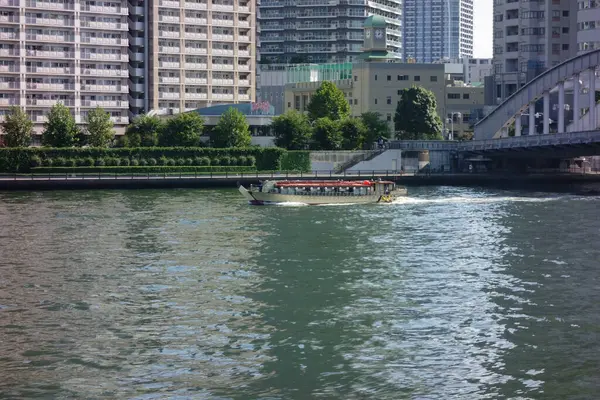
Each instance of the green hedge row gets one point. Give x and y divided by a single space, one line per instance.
272 158
136 170
247 161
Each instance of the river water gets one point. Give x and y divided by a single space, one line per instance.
452 293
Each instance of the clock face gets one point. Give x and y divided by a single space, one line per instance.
368 33
378 33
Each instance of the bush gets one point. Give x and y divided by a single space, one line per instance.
35 161
205 161
189 162
85 162
215 161
124 161
163 161
100 162
152 161
135 170
296 161
180 162
170 162
70 162
233 161
134 162
48 162
250 160
60 162
242 160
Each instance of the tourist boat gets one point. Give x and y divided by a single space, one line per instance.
322 192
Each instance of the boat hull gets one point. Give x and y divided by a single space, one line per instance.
261 198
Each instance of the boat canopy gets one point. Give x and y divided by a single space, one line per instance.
329 183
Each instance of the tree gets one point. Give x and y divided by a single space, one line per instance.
232 130
60 130
17 128
375 127
292 130
328 101
100 128
183 129
416 115
143 131
327 134
353 132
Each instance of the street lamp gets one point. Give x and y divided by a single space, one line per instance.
451 121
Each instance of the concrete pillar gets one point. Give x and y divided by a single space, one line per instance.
546 113
592 93
518 125
576 93
531 119
561 107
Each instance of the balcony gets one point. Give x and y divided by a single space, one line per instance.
243 9
196 96
243 53
9 36
195 35
218 81
50 102
196 81
222 67
9 3
10 85
196 6
222 96
169 3
222 7
116 73
57 55
243 97
243 82
10 52
9 19
222 52
192 66
50 5
50 38
196 21
169 95
219 36
105 103
105 10
136 87
63 22
244 24
105 56
13 101
173 19
135 25
135 56
195 50
243 67
244 38
120 120
105 41
169 64
50 86
51 70
105 88
222 22
105 25
169 79
169 34
10 68
169 49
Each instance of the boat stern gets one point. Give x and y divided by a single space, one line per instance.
248 196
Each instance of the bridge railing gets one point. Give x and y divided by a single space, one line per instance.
531 141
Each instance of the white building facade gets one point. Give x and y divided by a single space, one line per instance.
588 25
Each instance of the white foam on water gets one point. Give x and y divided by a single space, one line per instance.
474 200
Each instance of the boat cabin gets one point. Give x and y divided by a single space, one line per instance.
327 188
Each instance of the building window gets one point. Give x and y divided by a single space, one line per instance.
389 77
375 77
417 78
399 92
375 101
355 78
389 118
402 77
565 46
289 104
355 101
433 78
389 99
466 96
454 95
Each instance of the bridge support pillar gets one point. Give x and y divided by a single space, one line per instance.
561 107
531 119
518 124
576 94
546 113
592 94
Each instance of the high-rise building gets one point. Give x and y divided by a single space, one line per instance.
530 37
322 31
588 25
127 57
436 29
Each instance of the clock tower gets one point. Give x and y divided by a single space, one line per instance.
375 42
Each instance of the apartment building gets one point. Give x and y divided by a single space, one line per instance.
323 31
436 29
468 70
588 25
127 57
530 37
74 52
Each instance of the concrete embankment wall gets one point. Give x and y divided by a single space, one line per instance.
389 160
330 160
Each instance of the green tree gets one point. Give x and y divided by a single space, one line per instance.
416 115
328 101
100 128
60 130
142 131
232 130
353 131
17 128
183 129
292 130
327 134
375 127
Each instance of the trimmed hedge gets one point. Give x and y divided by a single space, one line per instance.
295 161
136 170
23 159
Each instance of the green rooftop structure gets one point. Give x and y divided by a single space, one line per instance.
375 21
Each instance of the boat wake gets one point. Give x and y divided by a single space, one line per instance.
473 200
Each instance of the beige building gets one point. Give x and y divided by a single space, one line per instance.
127 57
376 86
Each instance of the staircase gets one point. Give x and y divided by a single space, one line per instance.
356 159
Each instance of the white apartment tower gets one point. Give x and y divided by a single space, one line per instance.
128 57
436 29
588 25
323 31
530 37
74 52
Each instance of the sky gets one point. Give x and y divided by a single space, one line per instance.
482 30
